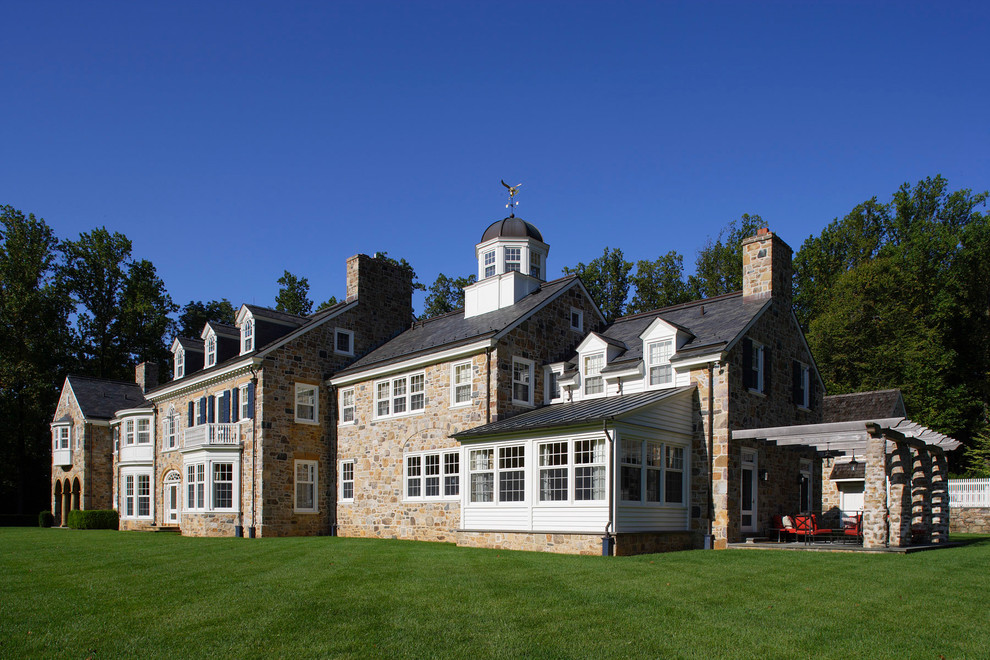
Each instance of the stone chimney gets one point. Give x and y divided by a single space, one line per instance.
384 288
146 375
767 270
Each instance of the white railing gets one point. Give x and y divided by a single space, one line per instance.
211 434
969 492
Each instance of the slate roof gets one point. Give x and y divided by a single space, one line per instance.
713 322
571 414
849 471
880 404
101 399
268 313
225 329
189 344
451 330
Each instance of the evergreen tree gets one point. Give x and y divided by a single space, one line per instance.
195 315
446 294
718 268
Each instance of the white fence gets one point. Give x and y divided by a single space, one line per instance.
969 492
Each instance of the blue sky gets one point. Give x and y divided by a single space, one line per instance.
231 141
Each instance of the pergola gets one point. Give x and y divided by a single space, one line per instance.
906 473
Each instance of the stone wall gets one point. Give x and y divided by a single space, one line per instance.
571 544
92 462
969 520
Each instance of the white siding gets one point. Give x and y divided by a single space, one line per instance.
672 415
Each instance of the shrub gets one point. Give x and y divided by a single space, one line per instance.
46 519
93 519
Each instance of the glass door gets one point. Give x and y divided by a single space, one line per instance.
748 495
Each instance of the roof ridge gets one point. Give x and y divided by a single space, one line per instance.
103 380
684 305
886 391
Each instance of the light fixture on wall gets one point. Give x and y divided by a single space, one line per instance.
828 454
854 462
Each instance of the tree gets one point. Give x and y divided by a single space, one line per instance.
978 455
659 283
327 304
145 307
446 294
293 297
718 268
34 355
607 280
196 314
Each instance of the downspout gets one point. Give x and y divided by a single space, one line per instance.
332 463
154 465
610 525
709 538
488 388
254 452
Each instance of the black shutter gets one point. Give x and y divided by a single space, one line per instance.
225 407
250 396
211 410
202 411
235 404
747 346
192 412
796 393
767 369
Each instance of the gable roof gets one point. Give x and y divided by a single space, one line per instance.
572 414
879 404
189 344
223 329
454 329
268 313
101 399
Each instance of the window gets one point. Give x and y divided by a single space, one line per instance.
400 396
244 401
534 264
143 495
347 406
62 437
347 480
593 381
482 469
522 381
129 495
511 474
489 263
551 385
306 482
171 428
658 355
461 375
589 469
433 475
802 384
211 350
513 258
180 363
214 480
306 403
553 471
143 431
756 366
129 432
631 464
223 485
343 342
137 496
247 336
577 320
674 476
654 468
654 471
116 439
196 486
451 474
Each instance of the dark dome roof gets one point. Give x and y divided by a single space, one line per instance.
511 227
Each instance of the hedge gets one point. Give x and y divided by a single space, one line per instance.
17 520
93 519
46 519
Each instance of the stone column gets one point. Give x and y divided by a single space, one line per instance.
921 493
939 495
899 506
875 493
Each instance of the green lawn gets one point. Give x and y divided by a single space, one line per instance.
99 594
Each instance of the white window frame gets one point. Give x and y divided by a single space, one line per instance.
145 424
415 472
658 362
489 264
587 376
301 388
347 403
247 336
552 464
486 467
529 383
129 434
408 398
579 326
536 261
205 482
805 403
170 433
552 375
760 364
459 386
641 460
597 467
311 482
62 437
180 363
211 350
132 497
243 403
346 470
517 252
341 332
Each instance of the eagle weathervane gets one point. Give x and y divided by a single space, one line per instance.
513 191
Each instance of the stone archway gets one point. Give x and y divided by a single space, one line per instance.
76 495
57 504
66 502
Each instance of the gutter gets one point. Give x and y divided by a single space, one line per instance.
254 453
610 525
709 538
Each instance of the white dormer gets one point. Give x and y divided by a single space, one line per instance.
178 360
512 263
209 347
661 340
245 321
595 352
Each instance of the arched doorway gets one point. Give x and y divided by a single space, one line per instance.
171 489
76 495
66 502
57 505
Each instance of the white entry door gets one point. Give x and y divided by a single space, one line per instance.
748 494
172 504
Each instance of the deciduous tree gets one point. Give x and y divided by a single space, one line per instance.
607 280
293 297
659 283
446 294
195 315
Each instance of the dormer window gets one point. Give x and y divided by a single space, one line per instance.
211 350
513 259
658 355
180 363
247 336
490 263
593 381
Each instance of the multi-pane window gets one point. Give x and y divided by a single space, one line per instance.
534 264
482 469
513 258
343 342
62 437
211 350
414 476
654 471
129 432
171 428
196 486
143 495
755 365
511 474
461 376
223 485
593 381
137 496
244 401
306 403
489 263
522 381
399 396
553 471
674 475
589 469
346 406
306 479
551 380
247 336
143 431
653 467
631 471
129 495
658 355
347 480
180 363
802 384
433 475
451 474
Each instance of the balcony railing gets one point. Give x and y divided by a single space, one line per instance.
61 457
206 435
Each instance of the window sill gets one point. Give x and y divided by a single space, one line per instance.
401 415
524 404
306 511
353 422
310 422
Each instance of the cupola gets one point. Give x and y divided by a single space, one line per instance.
512 263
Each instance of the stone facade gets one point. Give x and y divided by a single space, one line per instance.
970 520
